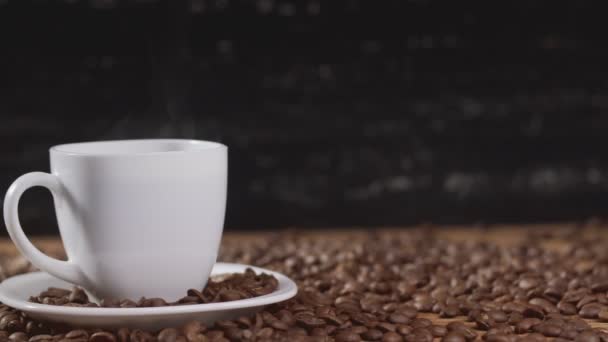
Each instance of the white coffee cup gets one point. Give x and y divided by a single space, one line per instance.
137 217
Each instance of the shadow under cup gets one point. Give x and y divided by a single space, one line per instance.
137 217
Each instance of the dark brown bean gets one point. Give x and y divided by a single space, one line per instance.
18 337
168 335
526 325
590 310
567 308
392 337
372 335
347 336
588 336
398 318
454 336
102 336
439 330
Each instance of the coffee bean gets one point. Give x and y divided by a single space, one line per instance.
590 310
347 336
499 338
404 329
586 300
534 311
421 323
514 307
600 286
75 334
233 333
308 321
264 333
123 335
567 308
192 330
391 337
526 325
515 317
103 336
168 335
77 295
547 306
535 337
498 316
550 330
449 311
372 335
55 292
18 337
528 283
140 336
454 336
398 318
386 327
455 325
439 330
41 338
588 336
214 334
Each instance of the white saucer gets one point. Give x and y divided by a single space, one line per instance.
16 291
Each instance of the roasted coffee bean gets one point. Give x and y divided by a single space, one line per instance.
55 292
567 308
534 311
515 317
404 329
123 335
168 335
103 336
547 306
455 325
550 330
498 337
534 337
18 337
372 335
392 337
450 311
77 295
454 336
421 323
398 318
590 310
41 338
526 325
588 336
76 334
347 336
438 330
386 327
498 316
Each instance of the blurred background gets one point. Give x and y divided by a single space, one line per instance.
337 113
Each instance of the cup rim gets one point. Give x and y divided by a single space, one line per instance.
92 148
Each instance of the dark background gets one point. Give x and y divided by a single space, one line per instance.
337 113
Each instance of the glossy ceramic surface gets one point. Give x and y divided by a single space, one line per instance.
15 292
137 217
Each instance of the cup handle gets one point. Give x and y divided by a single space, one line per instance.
65 270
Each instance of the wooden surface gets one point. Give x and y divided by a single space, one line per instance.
502 235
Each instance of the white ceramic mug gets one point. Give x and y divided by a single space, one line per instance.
137 217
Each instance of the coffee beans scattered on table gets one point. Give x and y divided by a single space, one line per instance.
228 288
404 285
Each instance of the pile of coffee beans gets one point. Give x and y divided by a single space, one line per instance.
400 285
228 288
